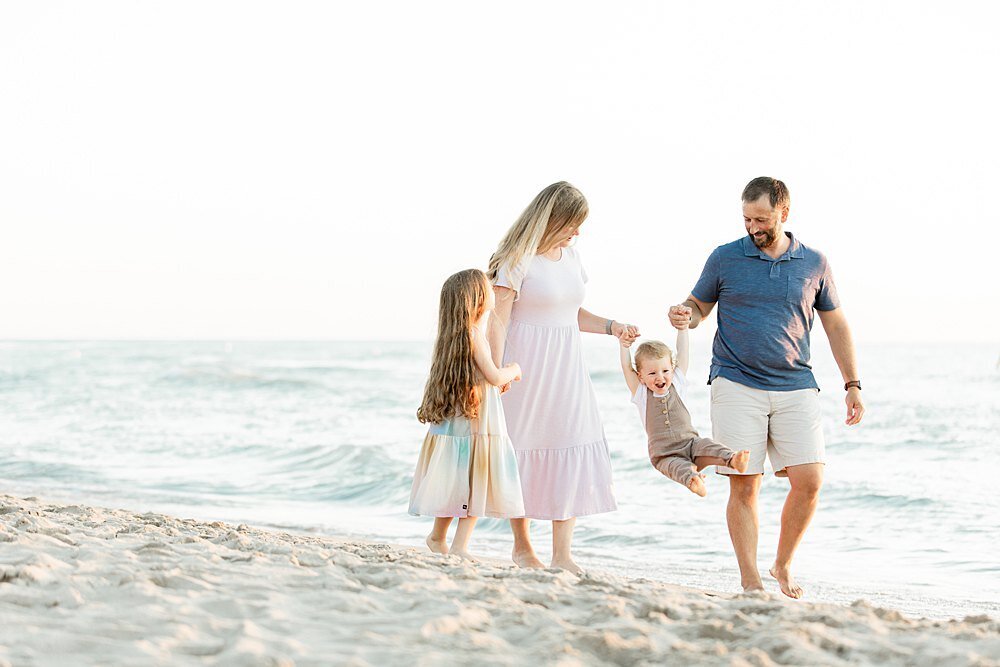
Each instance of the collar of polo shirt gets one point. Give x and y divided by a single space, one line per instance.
794 250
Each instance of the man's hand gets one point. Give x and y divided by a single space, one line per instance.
855 407
680 316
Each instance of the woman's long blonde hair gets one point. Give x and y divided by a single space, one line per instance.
552 212
453 387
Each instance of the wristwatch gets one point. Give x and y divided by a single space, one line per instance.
852 383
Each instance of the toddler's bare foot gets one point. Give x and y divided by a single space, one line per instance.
697 485
567 564
527 559
785 581
465 555
437 546
740 460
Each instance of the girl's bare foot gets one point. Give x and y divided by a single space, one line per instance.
465 555
740 460
527 559
437 546
567 564
697 485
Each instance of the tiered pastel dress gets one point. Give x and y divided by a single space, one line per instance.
552 414
467 467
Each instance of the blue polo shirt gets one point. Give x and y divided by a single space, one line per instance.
765 312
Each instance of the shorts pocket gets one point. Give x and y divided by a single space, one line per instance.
802 290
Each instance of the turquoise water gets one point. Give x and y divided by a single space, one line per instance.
322 437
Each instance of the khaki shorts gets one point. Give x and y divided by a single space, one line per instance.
786 426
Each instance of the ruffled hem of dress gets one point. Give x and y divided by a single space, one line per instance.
458 476
560 484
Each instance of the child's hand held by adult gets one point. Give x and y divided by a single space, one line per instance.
680 316
623 331
514 366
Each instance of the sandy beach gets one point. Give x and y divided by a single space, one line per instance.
84 585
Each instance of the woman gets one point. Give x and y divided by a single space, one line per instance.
552 415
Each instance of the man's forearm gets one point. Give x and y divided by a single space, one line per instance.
842 347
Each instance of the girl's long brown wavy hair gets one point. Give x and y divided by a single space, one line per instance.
453 387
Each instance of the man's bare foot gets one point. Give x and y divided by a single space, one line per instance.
465 555
697 485
527 559
567 564
785 581
437 546
740 460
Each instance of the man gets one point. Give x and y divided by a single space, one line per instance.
764 395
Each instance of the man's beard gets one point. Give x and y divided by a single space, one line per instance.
765 240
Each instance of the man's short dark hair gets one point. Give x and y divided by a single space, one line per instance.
765 185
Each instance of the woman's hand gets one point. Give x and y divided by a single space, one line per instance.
624 332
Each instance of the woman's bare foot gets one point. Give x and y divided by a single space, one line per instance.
465 555
567 564
437 546
527 559
785 581
740 460
697 485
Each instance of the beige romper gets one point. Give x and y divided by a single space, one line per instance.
673 442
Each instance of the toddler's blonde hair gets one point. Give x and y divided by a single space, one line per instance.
653 349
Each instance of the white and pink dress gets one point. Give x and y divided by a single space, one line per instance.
552 417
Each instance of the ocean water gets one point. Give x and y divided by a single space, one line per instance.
322 437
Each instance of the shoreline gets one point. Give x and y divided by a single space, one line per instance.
99 586
717 580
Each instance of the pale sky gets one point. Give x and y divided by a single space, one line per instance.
315 170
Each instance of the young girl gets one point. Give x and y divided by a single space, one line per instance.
466 467
675 449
